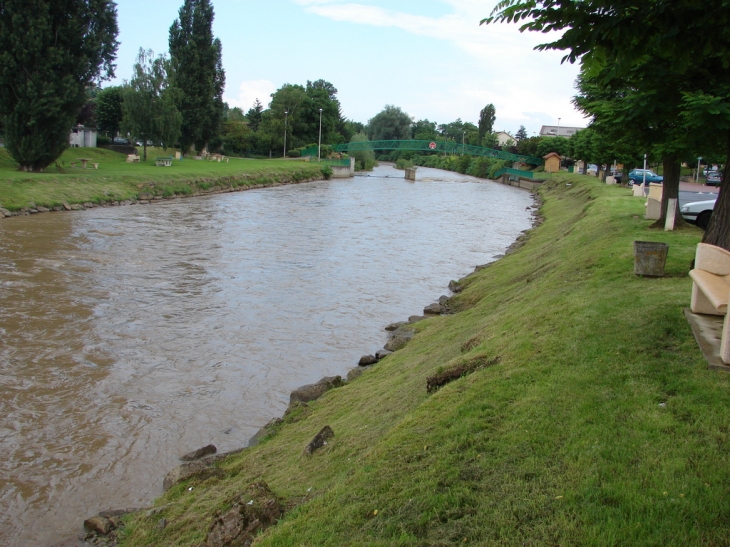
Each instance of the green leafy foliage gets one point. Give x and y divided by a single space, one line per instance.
109 110
425 130
149 102
486 121
390 124
254 115
296 109
198 72
237 137
51 51
364 159
642 61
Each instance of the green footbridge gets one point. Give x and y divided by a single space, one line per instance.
448 147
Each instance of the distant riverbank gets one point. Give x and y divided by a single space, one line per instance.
117 182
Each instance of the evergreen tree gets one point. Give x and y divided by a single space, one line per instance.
521 134
486 121
149 103
198 72
51 51
254 115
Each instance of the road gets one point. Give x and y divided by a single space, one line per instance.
689 192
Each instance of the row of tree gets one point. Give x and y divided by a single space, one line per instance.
175 99
653 79
53 53
394 124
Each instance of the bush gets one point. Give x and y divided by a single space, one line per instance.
403 163
480 167
327 172
294 153
101 140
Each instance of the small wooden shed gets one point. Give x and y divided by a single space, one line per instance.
552 162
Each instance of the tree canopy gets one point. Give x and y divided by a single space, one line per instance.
650 71
149 107
197 69
486 121
390 124
109 109
51 51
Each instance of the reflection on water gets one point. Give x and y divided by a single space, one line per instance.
132 335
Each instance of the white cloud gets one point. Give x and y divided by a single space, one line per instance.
503 67
249 91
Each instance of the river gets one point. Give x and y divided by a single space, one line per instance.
132 335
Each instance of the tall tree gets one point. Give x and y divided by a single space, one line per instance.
254 115
486 121
521 134
234 114
109 110
656 51
390 124
424 130
322 94
197 68
149 107
51 51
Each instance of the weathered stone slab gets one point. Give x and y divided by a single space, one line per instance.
320 440
199 453
367 360
310 392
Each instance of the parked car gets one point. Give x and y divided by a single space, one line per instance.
637 176
120 140
698 212
714 178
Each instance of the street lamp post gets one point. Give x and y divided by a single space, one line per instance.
319 144
286 115
558 133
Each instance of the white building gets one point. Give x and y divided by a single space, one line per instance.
504 138
561 131
83 137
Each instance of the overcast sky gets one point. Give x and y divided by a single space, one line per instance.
429 57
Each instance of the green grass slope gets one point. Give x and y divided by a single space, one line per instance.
117 180
598 424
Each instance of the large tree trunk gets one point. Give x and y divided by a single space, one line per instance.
718 231
672 170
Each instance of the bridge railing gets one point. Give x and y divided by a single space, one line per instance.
449 147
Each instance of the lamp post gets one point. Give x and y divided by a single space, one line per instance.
319 144
558 133
286 114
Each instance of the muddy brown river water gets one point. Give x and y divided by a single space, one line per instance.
132 335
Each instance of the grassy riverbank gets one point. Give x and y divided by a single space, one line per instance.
117 180
593 420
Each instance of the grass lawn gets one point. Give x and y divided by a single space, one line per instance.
117 180
593 419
